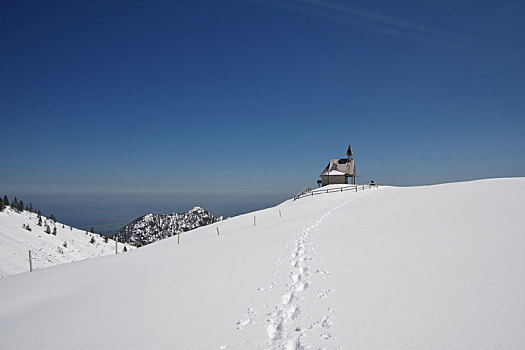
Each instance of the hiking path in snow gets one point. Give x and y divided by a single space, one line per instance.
290 322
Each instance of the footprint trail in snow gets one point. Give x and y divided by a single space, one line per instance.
285 327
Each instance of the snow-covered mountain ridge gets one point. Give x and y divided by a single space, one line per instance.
153 227
411 268
47 249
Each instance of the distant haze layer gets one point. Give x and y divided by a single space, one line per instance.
108 213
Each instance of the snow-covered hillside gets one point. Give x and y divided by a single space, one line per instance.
69 244
431 267
153 227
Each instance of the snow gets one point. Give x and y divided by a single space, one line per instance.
46 249
153 227
431 267
336 172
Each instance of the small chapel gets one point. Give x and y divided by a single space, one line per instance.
339 170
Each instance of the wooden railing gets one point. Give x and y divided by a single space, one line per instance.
305 190
321 190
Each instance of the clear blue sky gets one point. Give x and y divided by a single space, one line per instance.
144 98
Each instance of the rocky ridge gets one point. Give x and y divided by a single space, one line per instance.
153 227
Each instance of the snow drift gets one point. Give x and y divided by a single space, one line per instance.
431 267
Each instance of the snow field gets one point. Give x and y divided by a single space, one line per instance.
428 267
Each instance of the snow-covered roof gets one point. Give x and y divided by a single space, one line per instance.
340 166
336 172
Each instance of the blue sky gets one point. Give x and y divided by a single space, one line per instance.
251 98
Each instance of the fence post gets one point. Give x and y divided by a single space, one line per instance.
116 244
217 230
178 237
280 213
254 220
30 262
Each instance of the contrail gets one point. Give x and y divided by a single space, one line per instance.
362 19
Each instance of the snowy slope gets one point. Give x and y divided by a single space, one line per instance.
46 249
432 267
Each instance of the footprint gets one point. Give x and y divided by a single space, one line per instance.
293 344
292 312
246 319
286 298
242 323
323 272
301 286
323 293
327 336
295 277
274 330
326 323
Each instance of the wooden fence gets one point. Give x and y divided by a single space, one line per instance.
321 190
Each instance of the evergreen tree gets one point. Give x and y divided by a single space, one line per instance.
47 229
92 231
2 206
55 230
31 207
14 204
39 214
20 206
92 241
106 239
125 249
5 201
39 223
